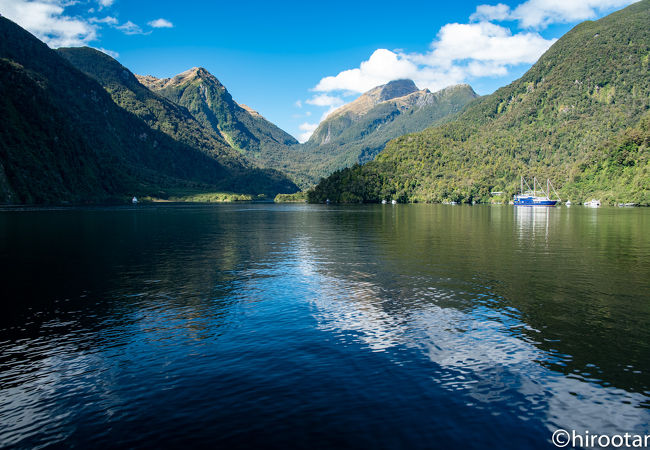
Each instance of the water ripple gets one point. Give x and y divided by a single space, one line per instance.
295 325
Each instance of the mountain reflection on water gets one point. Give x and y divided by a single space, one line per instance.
295 325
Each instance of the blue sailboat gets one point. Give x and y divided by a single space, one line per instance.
530 197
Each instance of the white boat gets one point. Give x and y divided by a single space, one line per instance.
134 200
393 202
568 203
530 197
593 203
383 202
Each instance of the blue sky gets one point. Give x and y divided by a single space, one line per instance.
295 62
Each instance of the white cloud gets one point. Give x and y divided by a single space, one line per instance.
382 67
490 12
465 51
480 69
460 51
45 19
325 100
127 27
308 129
308 126
331 102
161 23
485 42
110 53
298 104
107 20
542 13
130 28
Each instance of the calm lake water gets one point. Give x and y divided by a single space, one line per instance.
283 326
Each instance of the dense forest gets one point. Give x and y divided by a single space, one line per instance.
63 139
579 116
78 127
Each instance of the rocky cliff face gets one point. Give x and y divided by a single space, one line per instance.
365 103
210 102
383 104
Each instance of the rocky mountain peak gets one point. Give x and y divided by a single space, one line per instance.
396 88
195 73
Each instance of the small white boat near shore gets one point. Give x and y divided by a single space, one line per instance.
593 203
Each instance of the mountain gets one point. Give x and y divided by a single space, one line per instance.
579 116
337 122
210 102
404 92
166 116
63 139
356 132
263 143
158 112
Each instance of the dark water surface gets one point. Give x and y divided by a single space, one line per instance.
408 326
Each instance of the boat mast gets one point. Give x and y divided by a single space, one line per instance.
558 195
522 185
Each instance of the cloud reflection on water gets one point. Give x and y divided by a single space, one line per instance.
479 353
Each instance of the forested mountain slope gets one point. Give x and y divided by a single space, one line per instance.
563 120
63 139
172 119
